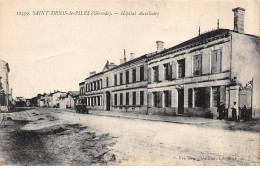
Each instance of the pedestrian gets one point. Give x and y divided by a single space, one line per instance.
221 111
244 113
234 111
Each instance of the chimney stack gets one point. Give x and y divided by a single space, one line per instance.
124 56
160 46
92 73
132 56
239 19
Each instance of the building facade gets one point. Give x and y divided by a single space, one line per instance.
5 92
190 79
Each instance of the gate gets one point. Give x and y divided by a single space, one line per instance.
245 103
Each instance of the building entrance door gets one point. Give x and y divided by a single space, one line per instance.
180 101
108 101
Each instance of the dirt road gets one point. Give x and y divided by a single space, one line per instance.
54 137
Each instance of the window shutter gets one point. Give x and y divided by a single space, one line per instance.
218 64
169 98
159 99
149 99
161 72
149 75
213 61
174 68
169 71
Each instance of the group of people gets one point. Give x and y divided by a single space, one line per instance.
245 113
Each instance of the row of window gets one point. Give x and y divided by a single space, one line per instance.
94 101
127 97
201 97
127 77
96 85
173 71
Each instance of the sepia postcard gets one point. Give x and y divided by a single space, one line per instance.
129 83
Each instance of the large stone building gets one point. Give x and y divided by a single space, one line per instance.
5 92
118 88
191 78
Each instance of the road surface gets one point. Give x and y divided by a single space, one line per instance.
65 138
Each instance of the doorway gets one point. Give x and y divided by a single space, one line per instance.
108 101
180 101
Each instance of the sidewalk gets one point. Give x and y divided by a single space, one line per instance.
162 118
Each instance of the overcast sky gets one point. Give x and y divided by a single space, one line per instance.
46 53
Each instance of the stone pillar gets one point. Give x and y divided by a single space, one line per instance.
234 95
193 98
163 99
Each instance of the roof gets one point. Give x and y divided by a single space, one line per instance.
74 93
194 41
121 65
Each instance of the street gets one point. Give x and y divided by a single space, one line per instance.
56 137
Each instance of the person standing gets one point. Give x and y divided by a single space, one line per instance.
221 111
234 111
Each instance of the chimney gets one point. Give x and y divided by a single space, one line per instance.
132 56
124 57
160 46
92 73
239 19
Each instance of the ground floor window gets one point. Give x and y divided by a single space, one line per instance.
115 99
202 97
134 98
141 97
121 99
215 96
167 98
127 98
95 101
157 99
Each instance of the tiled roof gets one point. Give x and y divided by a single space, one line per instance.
194 41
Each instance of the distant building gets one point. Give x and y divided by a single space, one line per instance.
190 79
68 100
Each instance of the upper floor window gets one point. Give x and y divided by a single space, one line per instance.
134 75
156 74
181 68
142 73
98 85
167 71
216 57
127 77
115 79
95 85
197 65
121 78
86 87
107 82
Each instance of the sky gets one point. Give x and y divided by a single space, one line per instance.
46 53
